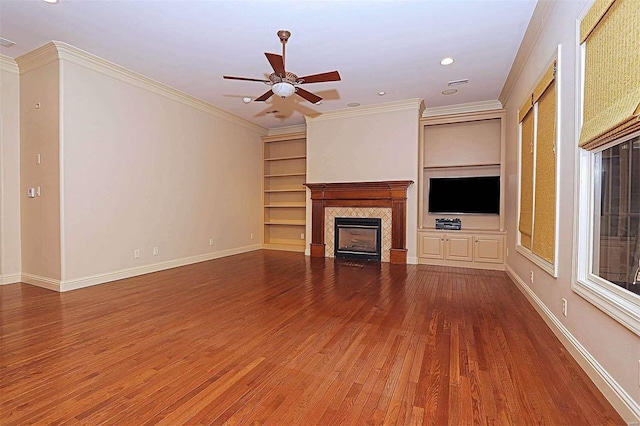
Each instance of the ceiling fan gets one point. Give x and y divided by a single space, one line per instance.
284 83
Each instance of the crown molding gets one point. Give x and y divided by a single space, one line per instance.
9 65
299 128
37 58
463 108
56 50
404 105
540 15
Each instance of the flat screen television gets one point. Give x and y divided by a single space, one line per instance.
456 195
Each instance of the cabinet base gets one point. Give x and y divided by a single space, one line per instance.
457 264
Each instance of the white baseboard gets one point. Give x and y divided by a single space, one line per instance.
628 409
412 260
156 267
44 282
10 279
77 283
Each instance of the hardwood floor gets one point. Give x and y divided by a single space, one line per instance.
276 338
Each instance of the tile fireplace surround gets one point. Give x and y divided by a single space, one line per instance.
383 194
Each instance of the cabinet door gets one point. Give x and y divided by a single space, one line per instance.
431 246
459 247
489 249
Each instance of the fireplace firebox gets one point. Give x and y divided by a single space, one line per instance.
358 238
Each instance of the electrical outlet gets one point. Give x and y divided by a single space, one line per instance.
252 236
564 306
531 277
136 254
302 236
156 251
210 241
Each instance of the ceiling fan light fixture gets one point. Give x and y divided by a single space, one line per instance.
283 89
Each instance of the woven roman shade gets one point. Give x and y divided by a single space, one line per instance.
611 31
526 181
544 214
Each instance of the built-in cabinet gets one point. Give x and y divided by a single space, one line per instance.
462 145
284 195
456 248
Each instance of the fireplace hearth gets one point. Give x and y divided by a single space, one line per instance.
358 238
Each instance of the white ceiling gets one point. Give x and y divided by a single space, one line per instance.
392 46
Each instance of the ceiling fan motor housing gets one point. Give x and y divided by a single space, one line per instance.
288 78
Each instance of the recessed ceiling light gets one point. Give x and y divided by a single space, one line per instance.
353 104
449 91
382 93
50 1
246 100
447 61
6 43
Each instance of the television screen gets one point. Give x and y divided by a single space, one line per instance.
480 195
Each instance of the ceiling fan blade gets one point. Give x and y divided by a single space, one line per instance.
264 97
277 63
311 97
318 78
229 77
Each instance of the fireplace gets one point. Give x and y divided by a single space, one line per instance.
358 238
383 194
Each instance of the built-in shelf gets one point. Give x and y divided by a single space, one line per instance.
284 195
293 157
285 175
280 206
287 222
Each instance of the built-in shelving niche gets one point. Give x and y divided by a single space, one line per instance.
284 194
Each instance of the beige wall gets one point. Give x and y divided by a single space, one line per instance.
9 171
39 133
142 170
614 347
368 145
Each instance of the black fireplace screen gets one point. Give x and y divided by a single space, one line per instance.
358 238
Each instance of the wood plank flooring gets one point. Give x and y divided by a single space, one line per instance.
275 338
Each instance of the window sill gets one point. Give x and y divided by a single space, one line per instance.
541 263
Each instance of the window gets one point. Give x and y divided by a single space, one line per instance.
608 240
616 215
538 130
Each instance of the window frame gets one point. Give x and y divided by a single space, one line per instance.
550 268
621 305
